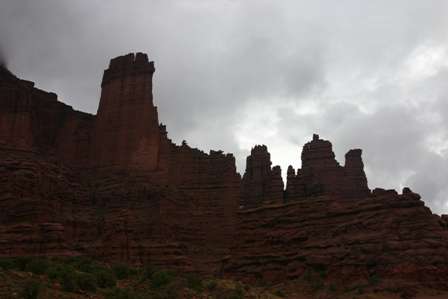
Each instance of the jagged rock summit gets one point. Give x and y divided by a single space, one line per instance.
115 187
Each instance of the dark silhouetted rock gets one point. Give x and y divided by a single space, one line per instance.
408 194
260 183
321 173
127 130
115 187
349 241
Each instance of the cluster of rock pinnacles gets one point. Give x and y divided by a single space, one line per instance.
114 186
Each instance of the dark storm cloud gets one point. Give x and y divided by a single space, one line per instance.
229 74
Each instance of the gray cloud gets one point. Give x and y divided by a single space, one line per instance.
234 73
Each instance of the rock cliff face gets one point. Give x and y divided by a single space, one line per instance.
114 186
261 184
321 173
131 194
392 238
34 120
127 127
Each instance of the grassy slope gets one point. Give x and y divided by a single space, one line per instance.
76 278
72 278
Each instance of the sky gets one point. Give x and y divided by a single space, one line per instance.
232 74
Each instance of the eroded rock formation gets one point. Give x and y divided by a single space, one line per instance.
127 127
106 157
321 173
393 238
114 186
34 120
261 184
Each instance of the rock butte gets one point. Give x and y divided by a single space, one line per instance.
114 186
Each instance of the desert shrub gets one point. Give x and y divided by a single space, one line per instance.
86 282
54 272
237 293
68 281
117 293
194 283
121 271
166 293
307 276
371 264
148 271
211 285
31 290
258 277
57 271
317 284
279 293
37 266
105 279
360 290
374 279
8 264
21 262
72 281
321 270
160 279
83 264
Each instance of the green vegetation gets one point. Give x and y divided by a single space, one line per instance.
37 266
279 293
105 279
211 285
315 277
31 290
80 277
374 279
160 279
195 283
117 293
321 270
332 288
121 271
237 293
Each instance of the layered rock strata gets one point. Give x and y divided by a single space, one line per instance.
108 155
261 184
321 174
114 186
393 239
34 120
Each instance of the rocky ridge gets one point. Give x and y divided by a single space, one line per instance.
115 187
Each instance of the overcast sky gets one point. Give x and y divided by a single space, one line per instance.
232 74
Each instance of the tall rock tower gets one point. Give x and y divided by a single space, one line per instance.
127 133
261 183
321 173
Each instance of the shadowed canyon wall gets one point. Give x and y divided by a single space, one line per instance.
114 186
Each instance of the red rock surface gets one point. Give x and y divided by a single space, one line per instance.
321 173
261 184
34 120
391 237
127 127
115 187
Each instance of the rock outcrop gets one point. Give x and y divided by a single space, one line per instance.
34 120
106 157
127 131
389 238
321 173
115 187
261 184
